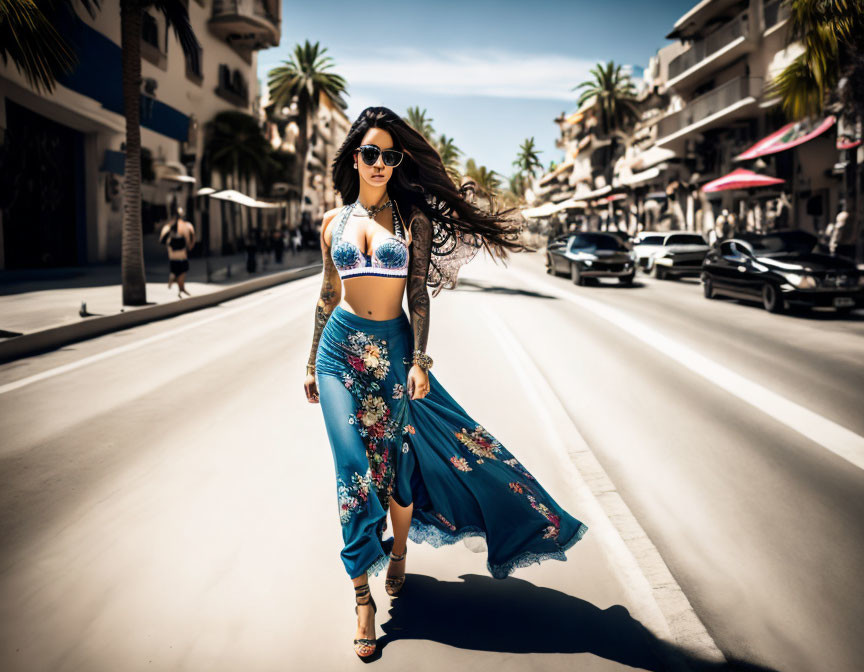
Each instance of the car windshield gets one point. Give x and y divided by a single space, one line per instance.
591 242
782 243
651 240
685 239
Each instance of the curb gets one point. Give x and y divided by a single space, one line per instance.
54 337
681 639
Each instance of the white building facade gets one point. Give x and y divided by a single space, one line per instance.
72 140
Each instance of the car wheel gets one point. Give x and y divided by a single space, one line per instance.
550 269
708 288
626 279
658 272
771 299
576 275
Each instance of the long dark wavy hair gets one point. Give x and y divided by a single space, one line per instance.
421 181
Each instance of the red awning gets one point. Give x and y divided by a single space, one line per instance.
741 179
791 135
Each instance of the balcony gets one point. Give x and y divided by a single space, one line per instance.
711 53
773 14
694 21
732 100
245 24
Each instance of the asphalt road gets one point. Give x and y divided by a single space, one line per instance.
760 524
167 498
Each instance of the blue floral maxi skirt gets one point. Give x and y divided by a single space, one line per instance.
429 451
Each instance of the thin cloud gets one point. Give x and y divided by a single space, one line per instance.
475 73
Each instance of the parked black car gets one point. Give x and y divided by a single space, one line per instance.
590 255
782 269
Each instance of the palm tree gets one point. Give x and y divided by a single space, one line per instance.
420 122
615 101
176 16
450 154
527 161
237 149
615 97
28 37
514 194
304 78
517 184
832 34
486 181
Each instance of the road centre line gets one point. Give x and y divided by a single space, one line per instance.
92 359
655 598
837 439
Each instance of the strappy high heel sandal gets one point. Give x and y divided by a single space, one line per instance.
394 585
363 642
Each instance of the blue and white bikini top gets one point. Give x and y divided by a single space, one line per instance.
389 259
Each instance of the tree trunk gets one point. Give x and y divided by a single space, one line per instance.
855 199
302 150
132 254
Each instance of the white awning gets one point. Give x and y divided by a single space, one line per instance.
642 161
633 179
571 204
652 157
556 172
172 171
590 195
540 211
242 199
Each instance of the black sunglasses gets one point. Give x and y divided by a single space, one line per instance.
370 154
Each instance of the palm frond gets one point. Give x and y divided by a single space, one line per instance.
28 37
176 16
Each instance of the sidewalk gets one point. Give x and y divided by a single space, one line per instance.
41 308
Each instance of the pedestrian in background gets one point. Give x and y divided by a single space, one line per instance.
265 245
841 237
279 245
179 237
250 243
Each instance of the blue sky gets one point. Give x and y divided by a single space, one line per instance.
489 74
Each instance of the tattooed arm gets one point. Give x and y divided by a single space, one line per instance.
418 296
331 289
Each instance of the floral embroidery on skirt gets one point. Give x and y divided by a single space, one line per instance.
461 480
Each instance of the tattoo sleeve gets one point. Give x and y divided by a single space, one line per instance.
418 267
331 294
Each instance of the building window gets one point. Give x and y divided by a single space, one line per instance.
193 70
151 48
150 29
232 86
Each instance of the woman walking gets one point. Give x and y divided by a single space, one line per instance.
400 442
179 236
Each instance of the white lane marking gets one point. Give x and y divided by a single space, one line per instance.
839 440
655 598
65 368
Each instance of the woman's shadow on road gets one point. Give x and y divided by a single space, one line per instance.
515 616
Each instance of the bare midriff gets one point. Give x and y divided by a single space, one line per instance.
373 298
